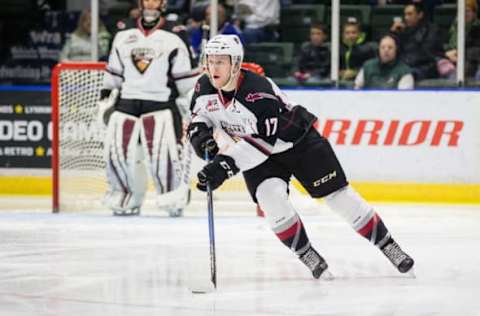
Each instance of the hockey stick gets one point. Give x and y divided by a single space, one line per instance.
211 231
202 287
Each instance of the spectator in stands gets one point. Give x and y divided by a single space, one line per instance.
313 61
225 26
386 71
420 42
354 50
472 40
261 18
78 45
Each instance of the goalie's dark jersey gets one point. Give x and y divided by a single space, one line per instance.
259 117
274 138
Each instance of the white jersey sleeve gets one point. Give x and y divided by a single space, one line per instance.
113 77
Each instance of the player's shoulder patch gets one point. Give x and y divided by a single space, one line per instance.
255 88
255 96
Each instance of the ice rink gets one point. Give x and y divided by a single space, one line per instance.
88 264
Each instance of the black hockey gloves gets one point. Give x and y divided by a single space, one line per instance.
215 173
201 139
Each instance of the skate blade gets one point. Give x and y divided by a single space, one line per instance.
327 276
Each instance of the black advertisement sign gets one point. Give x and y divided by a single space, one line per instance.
25 129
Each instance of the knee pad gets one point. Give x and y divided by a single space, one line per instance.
272 196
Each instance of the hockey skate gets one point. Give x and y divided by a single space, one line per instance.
130 212
316 264
397 256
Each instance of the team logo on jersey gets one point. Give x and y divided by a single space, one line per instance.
132 38
232 129
212 105
142 58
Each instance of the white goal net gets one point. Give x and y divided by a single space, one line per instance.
79 180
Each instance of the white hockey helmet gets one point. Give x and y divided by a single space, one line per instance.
226 45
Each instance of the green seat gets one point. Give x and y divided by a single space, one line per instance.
302 14
275 58
296 21
296 35
382 19
361 12
443 16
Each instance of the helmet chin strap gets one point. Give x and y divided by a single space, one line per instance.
232 80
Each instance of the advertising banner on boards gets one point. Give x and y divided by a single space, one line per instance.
25 130
401 136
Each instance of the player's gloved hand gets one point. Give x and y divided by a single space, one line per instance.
216 172
201 138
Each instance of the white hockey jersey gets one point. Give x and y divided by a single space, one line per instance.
149 65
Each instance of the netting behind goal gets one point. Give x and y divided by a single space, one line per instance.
79 179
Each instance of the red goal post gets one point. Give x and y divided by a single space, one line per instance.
73 85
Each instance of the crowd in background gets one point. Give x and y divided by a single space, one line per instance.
412 50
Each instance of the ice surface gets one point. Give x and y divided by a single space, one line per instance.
95 264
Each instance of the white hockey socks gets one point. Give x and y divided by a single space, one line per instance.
359 214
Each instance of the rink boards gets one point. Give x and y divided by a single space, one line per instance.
394 146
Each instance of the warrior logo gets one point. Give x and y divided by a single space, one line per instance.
142 58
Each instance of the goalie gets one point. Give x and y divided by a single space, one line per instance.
144 97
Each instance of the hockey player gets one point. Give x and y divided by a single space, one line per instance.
151 71
275 139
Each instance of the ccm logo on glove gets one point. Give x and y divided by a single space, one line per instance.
216 172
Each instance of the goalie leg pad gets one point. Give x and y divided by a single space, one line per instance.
126 173
272 196
162 152
359 214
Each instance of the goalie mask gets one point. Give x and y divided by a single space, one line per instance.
150 15
226 45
